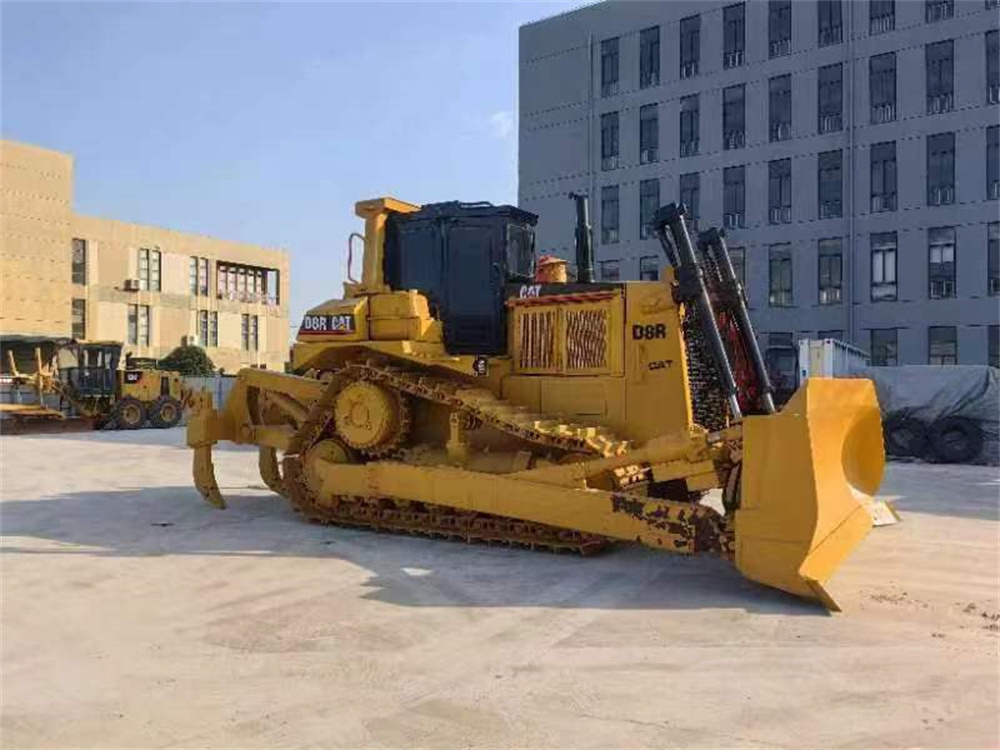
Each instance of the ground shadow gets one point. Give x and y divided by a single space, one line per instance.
408 571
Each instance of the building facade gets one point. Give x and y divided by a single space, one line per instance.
848 148
62 274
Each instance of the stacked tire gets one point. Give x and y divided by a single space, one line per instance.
949 440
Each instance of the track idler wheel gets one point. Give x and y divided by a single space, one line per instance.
371 419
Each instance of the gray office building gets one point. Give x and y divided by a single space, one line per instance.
848 148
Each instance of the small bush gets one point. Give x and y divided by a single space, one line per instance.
190 361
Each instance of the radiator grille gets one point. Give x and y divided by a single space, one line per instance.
587 339
536 330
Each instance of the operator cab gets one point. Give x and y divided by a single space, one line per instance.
90 367
462 256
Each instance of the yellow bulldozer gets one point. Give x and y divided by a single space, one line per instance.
450 394
94 390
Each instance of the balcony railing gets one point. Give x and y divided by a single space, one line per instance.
885 202
609 235
993 94
734 139
689 69
831 35
882 24
780 298
830 123
689 148
781 131
883 113
941 196
942 289
649 155
733 220
253 298
940 103
649 79
993 190
780 215
609 162
779 47
609 89
732 59
830 295
940 10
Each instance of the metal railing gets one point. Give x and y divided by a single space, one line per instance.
883 113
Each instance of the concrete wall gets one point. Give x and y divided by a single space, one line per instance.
37 228
559 131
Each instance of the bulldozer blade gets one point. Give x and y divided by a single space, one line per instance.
204 476
806 471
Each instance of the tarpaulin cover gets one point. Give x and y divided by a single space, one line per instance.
929 393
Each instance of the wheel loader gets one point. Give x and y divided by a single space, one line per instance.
449 394
89 381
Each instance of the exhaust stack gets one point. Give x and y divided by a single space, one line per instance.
584 240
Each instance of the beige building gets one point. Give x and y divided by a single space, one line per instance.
62 274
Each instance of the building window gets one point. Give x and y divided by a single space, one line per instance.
609 67
733 196
149 269
836 333
830 185
941 262
733 117
248 332
882 87
992 67
649 57
780 108
881 16
779 191
883 286
609 140
610 270
649 268
883 177
734 35
831 265
779 27
609 214
831 22
79 319
939 65
649 134
690 46
245 283
203 276
203 327
938 10
649 201
831 98
942 345
79 261
993 162
193 275
779 264
737 255
885 347
138 325
690 187
994 346
689 125
993 251
941 169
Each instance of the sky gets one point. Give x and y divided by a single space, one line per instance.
265 122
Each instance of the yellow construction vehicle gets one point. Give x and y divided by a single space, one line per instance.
449 394
90 384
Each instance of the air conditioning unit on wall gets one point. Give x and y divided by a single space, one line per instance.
131 285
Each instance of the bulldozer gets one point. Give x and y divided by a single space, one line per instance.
90 383
449 394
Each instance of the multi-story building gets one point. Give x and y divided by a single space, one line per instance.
848 148
66 275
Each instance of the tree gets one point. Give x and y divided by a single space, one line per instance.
190 361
